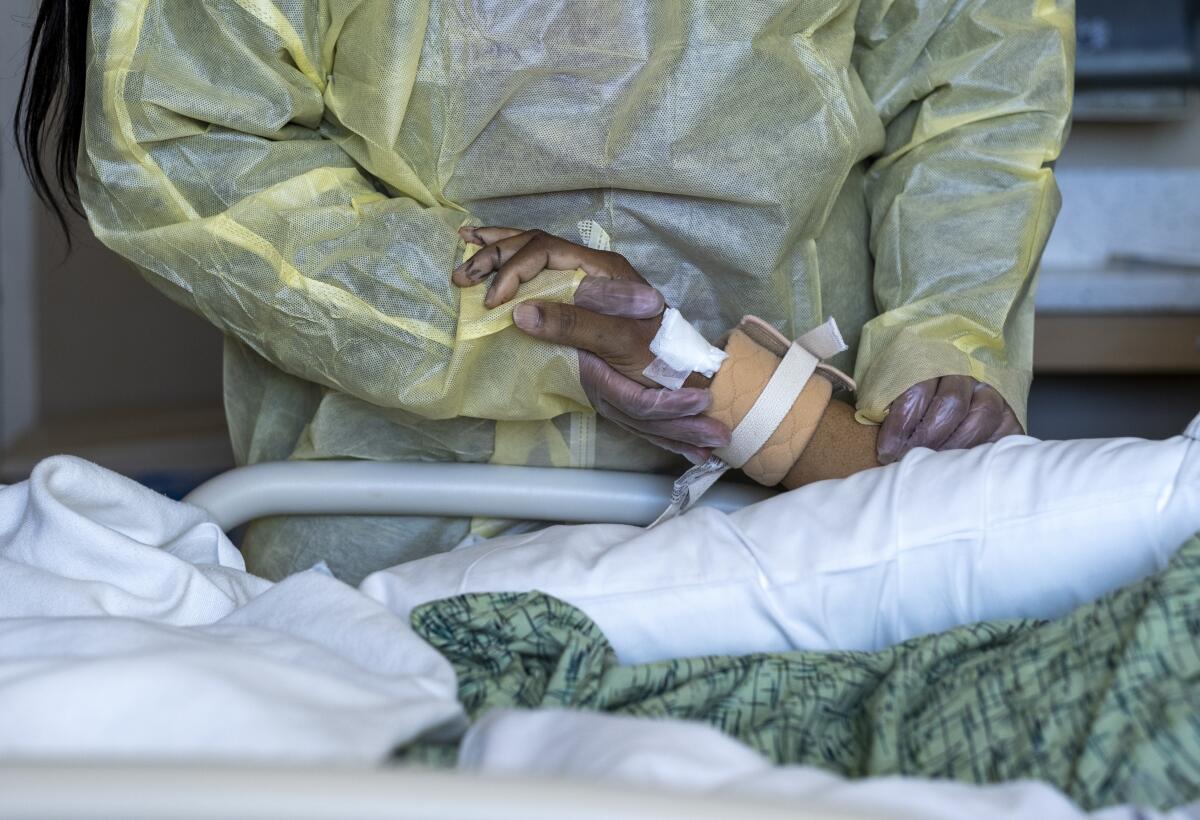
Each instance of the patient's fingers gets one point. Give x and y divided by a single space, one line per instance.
483 235
490 257
623 343
515 263
542 252
518 257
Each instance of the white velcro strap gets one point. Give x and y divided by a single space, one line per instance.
824 341
772 406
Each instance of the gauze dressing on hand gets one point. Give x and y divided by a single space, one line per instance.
679 351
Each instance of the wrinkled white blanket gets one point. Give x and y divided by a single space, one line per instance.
129 627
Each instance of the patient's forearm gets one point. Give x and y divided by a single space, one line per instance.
839 447
818 439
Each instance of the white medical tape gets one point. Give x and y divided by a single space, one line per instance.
679 350
771 407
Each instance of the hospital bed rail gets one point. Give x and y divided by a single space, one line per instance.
488 490
153 791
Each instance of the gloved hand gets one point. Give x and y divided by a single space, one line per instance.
950 413
615 316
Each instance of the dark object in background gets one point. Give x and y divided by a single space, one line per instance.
1136 60
1152 406
1152 42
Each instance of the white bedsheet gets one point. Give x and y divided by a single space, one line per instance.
129 628
693 757
1020 528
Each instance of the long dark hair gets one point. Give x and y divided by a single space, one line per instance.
50 108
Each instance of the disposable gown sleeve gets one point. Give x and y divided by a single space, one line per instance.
242 154
975 98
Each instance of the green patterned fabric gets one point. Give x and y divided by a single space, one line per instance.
1104 703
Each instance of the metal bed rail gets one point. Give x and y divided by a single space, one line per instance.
132 791
389 488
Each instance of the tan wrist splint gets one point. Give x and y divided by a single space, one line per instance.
776 397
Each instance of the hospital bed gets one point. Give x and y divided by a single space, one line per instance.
136 790
126 789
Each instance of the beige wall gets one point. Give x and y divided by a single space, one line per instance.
109 341
18 359
1160 144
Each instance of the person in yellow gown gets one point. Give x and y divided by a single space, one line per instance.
298 172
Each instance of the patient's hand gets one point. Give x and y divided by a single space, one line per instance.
516 256
616 312
612 322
